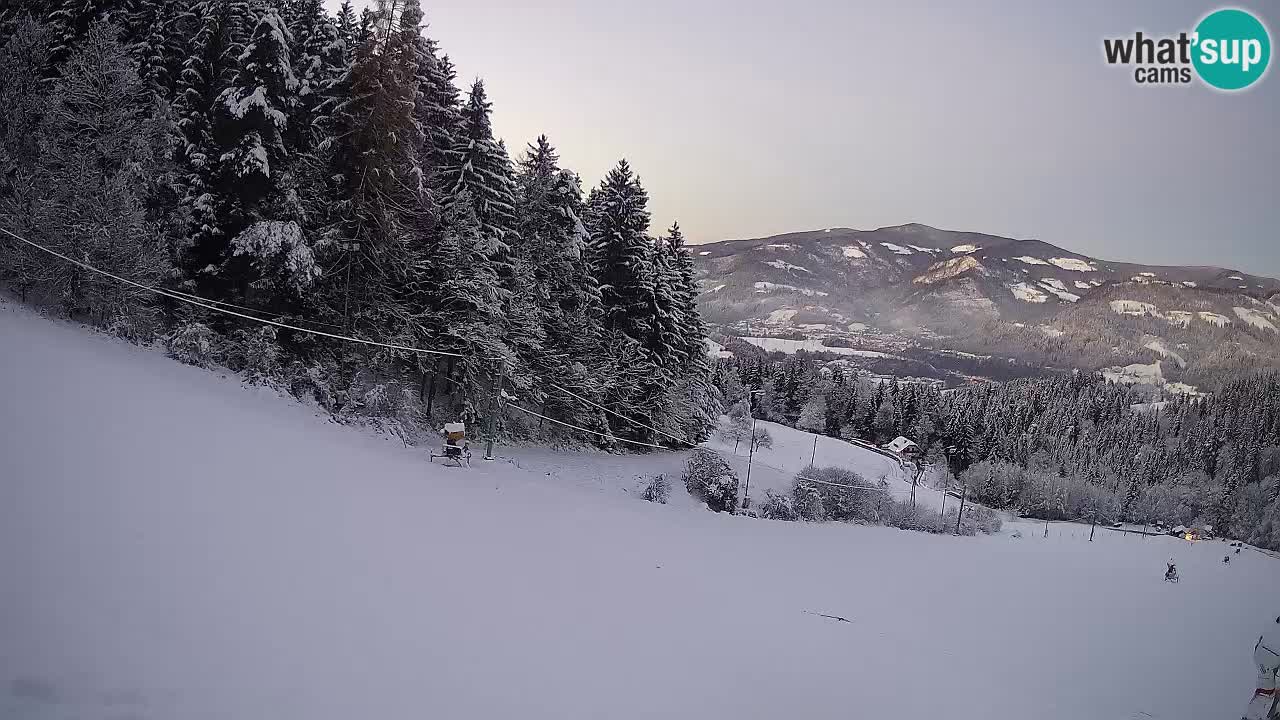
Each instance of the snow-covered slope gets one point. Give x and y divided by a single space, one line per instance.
174 545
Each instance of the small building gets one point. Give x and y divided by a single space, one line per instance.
903 447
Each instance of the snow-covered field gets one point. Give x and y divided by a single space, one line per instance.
177 546
811 345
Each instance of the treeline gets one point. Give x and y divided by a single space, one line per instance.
1074 447
328 172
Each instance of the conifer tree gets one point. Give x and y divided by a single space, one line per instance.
621 251
484 172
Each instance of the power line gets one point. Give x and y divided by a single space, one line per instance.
182 298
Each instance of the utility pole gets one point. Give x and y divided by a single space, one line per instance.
964 492
751 447
1094 525
493 412
346 300
946 481
814 454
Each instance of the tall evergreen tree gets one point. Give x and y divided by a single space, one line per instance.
318 53
620 251
376 181
483 175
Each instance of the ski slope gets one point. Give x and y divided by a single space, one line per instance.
176 546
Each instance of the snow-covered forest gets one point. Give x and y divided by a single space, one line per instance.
327 172
1075 447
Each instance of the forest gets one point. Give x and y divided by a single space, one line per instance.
1072 447
264 158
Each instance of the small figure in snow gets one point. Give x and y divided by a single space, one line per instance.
1266 656
1226 559
1171 574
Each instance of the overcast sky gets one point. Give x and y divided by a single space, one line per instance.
748 118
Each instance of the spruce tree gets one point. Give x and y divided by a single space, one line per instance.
483 175
317 51
621 252
220 31
375 182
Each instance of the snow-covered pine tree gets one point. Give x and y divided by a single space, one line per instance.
620 251
69 20
24 97
220 30
666 328
318 54
255 181
465 309
484 172
375 182
553 247
440 116
162 29
99 143
348 28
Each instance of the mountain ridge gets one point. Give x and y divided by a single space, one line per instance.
916 286
914 226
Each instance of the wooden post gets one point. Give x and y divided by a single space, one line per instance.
814 454
964 493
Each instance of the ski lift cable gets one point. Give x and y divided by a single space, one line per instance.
214 308
260 311
574 395
582 429
209 305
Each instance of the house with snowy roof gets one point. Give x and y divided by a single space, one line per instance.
902 446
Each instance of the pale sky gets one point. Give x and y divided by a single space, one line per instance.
747 119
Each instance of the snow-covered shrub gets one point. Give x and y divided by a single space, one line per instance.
255 352
949 524
845 495
777 507
976 519
140 326
311 381
985 520
658 489
807 503
901 515
193 343
385 400
709 478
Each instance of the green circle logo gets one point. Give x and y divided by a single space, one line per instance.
1232 49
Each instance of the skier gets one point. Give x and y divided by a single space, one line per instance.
1266 655
1171 574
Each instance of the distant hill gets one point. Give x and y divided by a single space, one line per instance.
912 288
